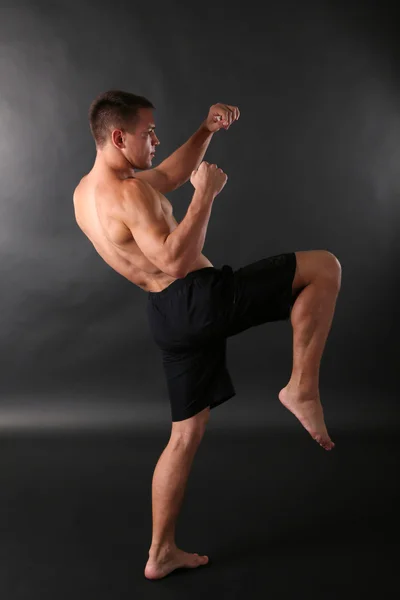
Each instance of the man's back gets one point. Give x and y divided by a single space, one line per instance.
100 211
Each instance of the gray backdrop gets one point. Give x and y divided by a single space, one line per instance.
313 163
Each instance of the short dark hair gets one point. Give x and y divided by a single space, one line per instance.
114 109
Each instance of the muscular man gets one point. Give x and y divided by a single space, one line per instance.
193 307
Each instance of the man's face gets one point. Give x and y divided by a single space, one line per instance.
141 141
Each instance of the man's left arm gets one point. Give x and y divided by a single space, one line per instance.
175 170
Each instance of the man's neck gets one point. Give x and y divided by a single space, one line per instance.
121 169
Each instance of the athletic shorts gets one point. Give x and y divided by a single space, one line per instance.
192 318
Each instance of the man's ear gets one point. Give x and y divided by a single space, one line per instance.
118 138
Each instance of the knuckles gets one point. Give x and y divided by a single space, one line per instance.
211 169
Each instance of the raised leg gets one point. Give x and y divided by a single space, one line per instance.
318 276
168 488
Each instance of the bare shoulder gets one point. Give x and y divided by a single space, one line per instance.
79 188
137 193
141 206
140 185
77 202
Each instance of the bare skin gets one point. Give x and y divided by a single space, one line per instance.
311 318
169 559
306 406
100 215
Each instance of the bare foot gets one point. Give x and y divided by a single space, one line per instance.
307 408
160 565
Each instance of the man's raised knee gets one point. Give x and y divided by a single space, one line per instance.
332 268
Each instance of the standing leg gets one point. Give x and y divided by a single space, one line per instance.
318 275
168 488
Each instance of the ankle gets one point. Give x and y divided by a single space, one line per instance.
303 383
161 548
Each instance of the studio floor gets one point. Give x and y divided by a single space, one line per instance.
277 515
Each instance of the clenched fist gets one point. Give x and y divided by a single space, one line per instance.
221 116
208 178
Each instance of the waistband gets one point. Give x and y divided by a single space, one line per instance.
180 283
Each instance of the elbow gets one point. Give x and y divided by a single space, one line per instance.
173 269
177 272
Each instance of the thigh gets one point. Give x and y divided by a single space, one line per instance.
263 292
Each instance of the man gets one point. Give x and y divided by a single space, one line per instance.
194 307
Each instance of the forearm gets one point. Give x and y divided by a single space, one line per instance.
180 164
185 244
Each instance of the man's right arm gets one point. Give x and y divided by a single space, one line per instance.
172 252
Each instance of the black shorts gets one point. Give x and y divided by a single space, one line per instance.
192 318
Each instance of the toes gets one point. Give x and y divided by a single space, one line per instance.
326 443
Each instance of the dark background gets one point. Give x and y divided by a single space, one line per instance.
313 162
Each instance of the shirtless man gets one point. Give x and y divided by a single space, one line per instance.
193 306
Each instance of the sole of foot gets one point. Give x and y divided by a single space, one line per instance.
307 408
